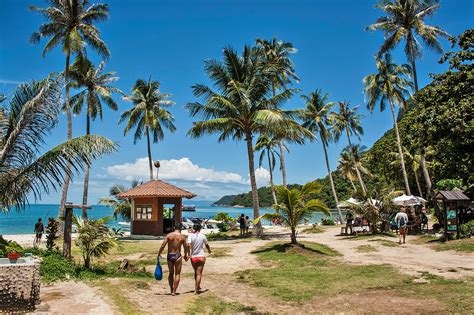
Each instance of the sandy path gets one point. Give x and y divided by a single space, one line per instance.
409 258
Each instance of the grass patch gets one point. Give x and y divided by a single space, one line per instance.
211 304
463 245
219 252
301 276
386 243
116 293
366 249
424 239
368 236
314 229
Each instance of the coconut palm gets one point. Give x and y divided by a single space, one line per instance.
347 120
277 55
267 145
30 115
390 84
295 205
96 89
346 167
121 207
315 119
241 105
356 151
405 19
149 115
70 24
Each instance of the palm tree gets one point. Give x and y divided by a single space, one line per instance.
295 205
31 114
346 167
315 119
347 120
277 55
96 90
356 152
405 19
267 145
149 114
390 84
70 24
241 105
121 207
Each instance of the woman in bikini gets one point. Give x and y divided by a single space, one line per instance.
196 243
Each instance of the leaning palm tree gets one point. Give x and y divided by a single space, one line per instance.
347 120
277 55
149 115
405 19
30 115
96 89
121 207
267 145
315 119
390 84
346 167
241 105
70 24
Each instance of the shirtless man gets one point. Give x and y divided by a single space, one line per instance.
175 261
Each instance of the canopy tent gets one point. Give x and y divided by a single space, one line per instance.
351 202
408 200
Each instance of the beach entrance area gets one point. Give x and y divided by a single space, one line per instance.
149 201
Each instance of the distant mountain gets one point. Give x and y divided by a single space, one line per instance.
225 201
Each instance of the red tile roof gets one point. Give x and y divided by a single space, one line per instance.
156 188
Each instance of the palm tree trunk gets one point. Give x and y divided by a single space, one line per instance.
257 229
400 150
282 162
150 163
86 172
417 179
67 177
359 176
333 188
353 186
272 186
293 236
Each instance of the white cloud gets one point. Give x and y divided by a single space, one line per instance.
182 169
262 176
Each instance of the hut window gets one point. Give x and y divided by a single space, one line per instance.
144 212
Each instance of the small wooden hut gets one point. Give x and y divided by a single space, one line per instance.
452 202
148 203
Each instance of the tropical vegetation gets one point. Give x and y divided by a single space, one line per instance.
121 207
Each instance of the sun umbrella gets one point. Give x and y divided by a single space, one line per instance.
407 200
349 202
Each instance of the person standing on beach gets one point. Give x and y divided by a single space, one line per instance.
196 243
242 225
39 230
175 261
402 220
247 224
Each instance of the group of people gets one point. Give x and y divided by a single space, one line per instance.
193 247
244 224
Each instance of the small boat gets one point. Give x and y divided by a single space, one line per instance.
189 208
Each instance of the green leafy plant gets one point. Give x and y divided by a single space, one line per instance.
328 222
449 184
223 226
466 229
9 247
51 233
223 216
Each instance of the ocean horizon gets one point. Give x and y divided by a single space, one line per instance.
22 222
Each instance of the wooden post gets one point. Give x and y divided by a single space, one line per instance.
67 232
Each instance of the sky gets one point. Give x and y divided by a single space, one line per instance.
169 41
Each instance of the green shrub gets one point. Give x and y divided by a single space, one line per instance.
223 216
449 184
465 229
328 222
9 247
223 226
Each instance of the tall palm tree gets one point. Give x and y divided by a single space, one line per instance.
31 114
96 89
277 54
70 24
241 105
390 84
267 145
315 119
346 167
405 19
149 114
347 120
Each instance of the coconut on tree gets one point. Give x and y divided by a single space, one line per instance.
405 20
277 55
315 119
95 89
70 24
149 115
390 84
241 105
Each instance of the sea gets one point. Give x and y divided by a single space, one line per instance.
22 222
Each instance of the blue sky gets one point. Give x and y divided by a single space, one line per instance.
169 40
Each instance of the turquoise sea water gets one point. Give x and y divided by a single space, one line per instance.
22 222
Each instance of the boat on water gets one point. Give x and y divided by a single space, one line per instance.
189 208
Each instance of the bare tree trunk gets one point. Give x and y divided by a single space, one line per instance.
426 174
67 176
282 163
257 229
400 150
333 188
87 170
150 162
417 179
272 186
353 186
359 176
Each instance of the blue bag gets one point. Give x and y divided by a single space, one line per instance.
158 271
